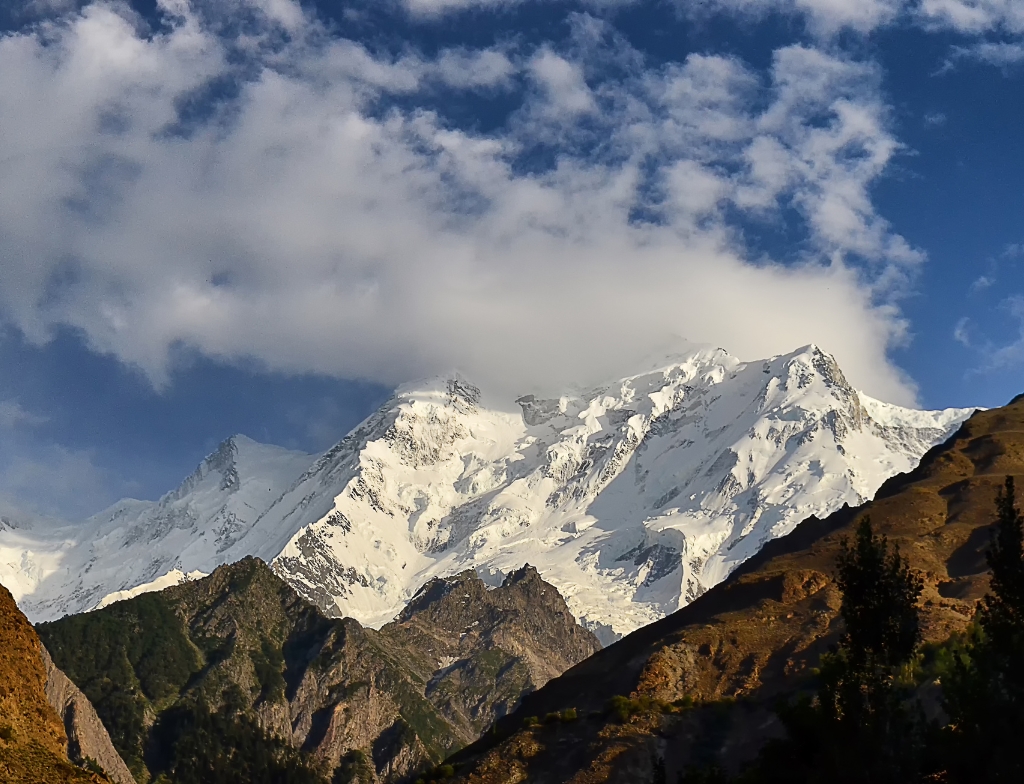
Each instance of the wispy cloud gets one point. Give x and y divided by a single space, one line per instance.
981 283
962 332
1001 54
13 414
1009 354
56 481
823 18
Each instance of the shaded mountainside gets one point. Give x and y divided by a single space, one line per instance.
32 740
87 737
757 637
239 658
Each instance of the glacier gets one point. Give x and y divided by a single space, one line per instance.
632 498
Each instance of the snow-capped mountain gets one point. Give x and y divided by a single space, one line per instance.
133 546
632 498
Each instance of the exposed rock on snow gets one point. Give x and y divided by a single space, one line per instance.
632 498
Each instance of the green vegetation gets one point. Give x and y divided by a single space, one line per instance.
623 708
984 690
130 659
268 663
225 745
92 766
169 695
354 768
438 774
859 727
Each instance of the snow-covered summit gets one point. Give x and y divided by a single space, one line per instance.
56 569
631 498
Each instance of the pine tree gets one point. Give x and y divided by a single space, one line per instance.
985 693
858 729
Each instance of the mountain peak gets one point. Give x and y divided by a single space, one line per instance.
632 498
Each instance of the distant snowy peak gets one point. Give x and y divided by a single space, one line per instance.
134 544
632 497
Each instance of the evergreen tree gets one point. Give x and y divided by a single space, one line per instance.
985 693
858 729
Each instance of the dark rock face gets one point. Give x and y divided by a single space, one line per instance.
756 638
487 648
87 737
384 704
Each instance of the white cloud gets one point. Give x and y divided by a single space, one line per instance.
308 227
433 8
823 17
981 283
973 16
463 69
1002 54
1008 355
565 88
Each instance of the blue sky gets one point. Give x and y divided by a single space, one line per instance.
260 216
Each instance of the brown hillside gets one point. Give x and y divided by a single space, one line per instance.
32 740
757 636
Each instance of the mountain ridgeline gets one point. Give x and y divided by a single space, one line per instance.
632 498
700 689
236 678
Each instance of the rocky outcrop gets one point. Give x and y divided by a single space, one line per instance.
485 648
87 738
758 636
343 697
32 738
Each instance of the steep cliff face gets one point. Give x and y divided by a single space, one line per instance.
32 739
756 637
323 693
87 737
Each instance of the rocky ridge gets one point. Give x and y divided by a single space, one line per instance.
336 694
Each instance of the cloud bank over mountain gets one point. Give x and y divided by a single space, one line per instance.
244 183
